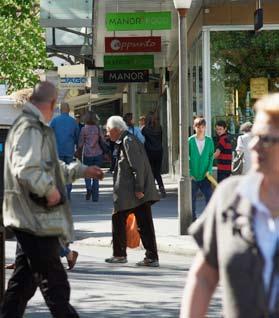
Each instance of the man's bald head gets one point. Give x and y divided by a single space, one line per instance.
43 93
64 107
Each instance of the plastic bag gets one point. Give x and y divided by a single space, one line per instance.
132 234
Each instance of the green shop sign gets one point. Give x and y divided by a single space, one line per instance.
128 62
127 21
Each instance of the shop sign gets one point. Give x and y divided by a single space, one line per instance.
101 88
73 82
126 76
133 44
128 21
128 62
258 87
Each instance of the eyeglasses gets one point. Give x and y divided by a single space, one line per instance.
265 141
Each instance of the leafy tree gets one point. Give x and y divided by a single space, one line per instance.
22 43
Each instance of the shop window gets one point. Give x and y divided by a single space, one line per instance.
244 66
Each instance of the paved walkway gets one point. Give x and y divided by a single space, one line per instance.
93 219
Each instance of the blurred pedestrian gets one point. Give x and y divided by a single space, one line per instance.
141 122
152 131
128 118
243 145
92 153
78 121
223 152
238 234
36 208
66 133
133 191
201 150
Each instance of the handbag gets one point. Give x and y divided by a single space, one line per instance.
103 145
237 164
132 233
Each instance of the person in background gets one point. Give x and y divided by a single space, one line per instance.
66 133
238 233
201 151
133 191
141 122
243 145
92 152
128 118
223 152
78 121
152 131
34 189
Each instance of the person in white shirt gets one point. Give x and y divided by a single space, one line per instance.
243 145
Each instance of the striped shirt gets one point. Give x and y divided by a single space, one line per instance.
224 160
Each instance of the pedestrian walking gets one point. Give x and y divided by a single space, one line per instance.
152 131
66 132
238 234
201 151
243 145
92 152
223 152
36 208
133 191
128 118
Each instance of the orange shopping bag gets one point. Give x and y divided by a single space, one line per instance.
132 234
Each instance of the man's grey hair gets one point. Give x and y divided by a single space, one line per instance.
43 92
116 122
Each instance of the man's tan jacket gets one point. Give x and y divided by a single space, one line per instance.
32 167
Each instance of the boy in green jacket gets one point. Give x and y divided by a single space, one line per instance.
201 151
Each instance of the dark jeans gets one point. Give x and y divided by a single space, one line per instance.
91 184
67 160
146 230
37 264
205 187
221 175
155 159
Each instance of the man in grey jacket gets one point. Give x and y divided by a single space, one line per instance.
133 191
35 207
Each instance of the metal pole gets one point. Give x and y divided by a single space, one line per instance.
184 185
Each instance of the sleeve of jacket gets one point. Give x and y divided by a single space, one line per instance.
28 167
139 135
72 171
135 156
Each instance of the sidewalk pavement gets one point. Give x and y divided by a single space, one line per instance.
93 219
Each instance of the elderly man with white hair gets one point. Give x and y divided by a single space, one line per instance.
133 191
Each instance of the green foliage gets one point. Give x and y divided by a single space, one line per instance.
22 43
244 55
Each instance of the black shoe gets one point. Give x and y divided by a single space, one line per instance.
148 262
88 195
116 260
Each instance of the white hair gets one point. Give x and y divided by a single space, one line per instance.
116 122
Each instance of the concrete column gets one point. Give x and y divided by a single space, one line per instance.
184 185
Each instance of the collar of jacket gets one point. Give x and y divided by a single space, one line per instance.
122 136
32 110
